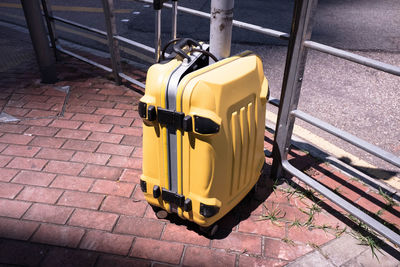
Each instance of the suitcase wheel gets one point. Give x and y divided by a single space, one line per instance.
210 230
161 214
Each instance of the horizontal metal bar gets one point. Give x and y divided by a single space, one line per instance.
103 33
374 150
368 220
180 8
262 30
236 23
274 101
91 62
78 25
129 79
136 44
395 70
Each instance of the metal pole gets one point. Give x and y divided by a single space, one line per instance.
221 27
111 26
40 42
48 14
174 18
158 35
293 77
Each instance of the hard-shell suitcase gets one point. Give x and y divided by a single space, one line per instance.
203 134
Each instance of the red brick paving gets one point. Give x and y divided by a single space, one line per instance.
157 250
179 233
93 219
56 154
72 182
197 256
107 242
134 226
48 213
112 188
58 235
89 157
17 229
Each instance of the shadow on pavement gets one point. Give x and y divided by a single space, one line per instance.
239 213
24 253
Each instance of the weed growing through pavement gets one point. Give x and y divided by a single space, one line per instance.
354 179
379 212
365 236
361 231
337 190
275 185
288 241
368 240
273 215
324 227
305 151
339 232
290 192
313 245
389 200
296 223
326 163
311 212
310 194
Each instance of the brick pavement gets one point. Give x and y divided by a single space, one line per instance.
69 192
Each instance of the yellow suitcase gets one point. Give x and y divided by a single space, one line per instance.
203 134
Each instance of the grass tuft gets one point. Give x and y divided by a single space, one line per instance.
273 215
389 200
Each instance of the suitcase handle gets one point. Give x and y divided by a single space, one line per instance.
157 6
206 53
166 46
179 43
182 43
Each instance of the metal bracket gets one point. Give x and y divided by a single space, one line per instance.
170 118
204 125
172 197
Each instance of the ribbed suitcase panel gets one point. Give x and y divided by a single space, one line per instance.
243 135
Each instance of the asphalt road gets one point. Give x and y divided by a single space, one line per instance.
360 100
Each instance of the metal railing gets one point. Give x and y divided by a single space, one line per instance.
299 43
111 34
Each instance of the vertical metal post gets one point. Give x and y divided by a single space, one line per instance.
40 42
174 18
221 27
293 76
158 34
48 14
111 26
